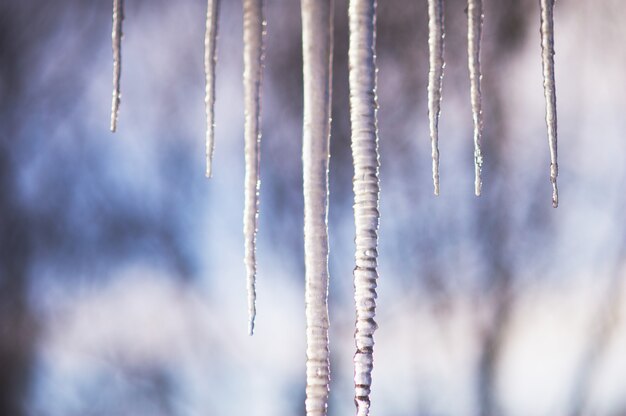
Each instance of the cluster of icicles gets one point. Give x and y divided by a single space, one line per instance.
317 47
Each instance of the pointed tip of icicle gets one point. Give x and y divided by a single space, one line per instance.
554 172
435 158
208 161
478 180
113 125
555 195
478 168
251 326
251 314
114 113
251 303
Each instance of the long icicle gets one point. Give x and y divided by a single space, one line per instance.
435 78
474 34
253 33
547 57
363 109
116 36
210 59
317 46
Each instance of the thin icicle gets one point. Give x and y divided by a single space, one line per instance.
253 33
435 77
116 35
363 109
547 56
210 58
317 45
474 34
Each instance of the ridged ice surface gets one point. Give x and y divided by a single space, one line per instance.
210 58
253 33
363 109
474 34
317 45
435 78
116 36
547 57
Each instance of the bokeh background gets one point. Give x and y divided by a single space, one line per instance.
122 287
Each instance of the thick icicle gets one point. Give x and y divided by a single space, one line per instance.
363 108
210 58
253 33
317 45
116 35
547 56
474 34
435 78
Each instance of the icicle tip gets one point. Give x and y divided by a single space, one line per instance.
435 157
114 112
251 326
478 171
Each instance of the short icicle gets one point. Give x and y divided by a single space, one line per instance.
210 59
253 33
547 57
363 109
317 45
474 34
116 36
435 79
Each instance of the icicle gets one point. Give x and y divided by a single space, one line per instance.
363 108
547 55
435 77
210 58
116 35
253 32
474 33
317 44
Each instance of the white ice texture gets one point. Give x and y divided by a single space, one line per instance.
210 59
363 108
253 33
547 57
435 79
116 36
317 47
474 34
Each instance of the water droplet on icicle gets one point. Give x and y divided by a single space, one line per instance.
317 45
210 59
253 33
116 36
435 78
547 57
363 108
474 34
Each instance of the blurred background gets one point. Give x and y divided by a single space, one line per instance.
122 285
